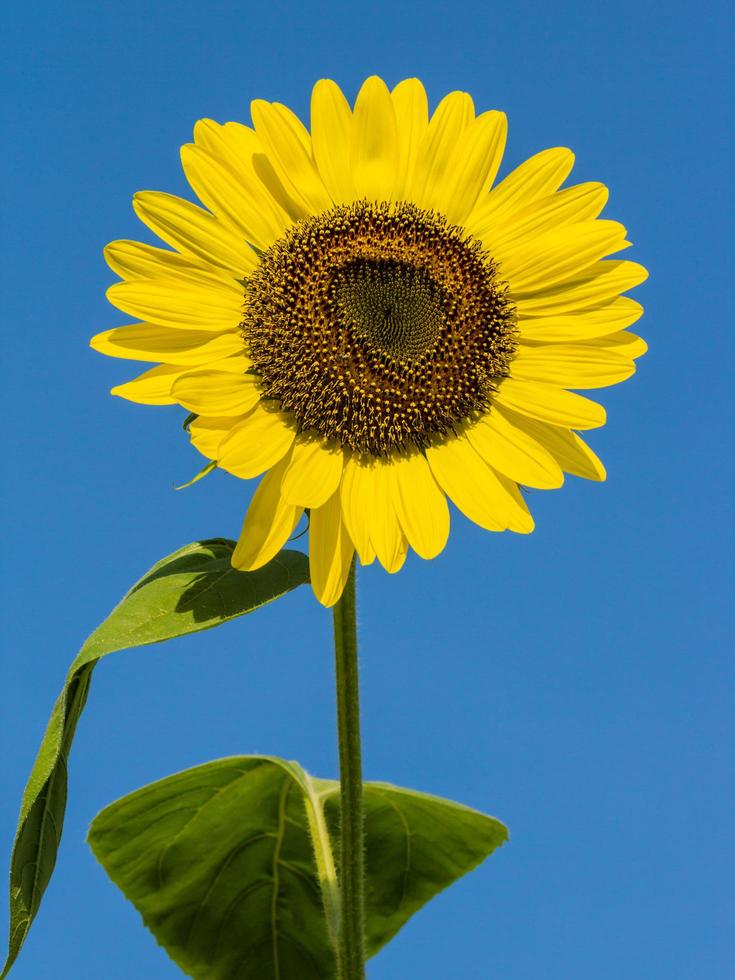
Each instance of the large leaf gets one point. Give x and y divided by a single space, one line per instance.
193 589
231 864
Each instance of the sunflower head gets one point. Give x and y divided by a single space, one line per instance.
362 317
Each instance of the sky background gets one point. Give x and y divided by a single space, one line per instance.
576 682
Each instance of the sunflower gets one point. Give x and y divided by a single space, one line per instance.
363 318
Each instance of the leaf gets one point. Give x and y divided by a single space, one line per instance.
231 864
193 589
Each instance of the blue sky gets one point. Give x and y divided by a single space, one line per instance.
575 683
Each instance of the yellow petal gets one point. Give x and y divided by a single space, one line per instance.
594 287
330 551
536 178
358 502
550 404
412 117
331 134
583 325
150 342
374 152
509 449
520 519
474 487
420 504
239 149
206 434
178 305
622 342
386 535
571 366
268 524
573 205
472 167
136 260
255 444
152 387
313 473
190 229
451 118
233 144
247 207
288 144
571 453
214 392
550 259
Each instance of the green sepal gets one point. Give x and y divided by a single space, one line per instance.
204 471
193 589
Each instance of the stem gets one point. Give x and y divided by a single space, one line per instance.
350 952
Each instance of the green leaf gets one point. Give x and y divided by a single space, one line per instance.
193 589
231 864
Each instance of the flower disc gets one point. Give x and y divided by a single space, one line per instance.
379 326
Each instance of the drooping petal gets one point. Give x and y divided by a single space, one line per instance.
386 535
331 135
571 453
509 449
420 505
255 444
357 493
207 433
214 392
330 551
153 387
473 486
550 404
269 523
313 472
374 147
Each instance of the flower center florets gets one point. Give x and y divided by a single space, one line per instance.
378 325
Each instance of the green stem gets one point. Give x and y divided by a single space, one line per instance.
351 946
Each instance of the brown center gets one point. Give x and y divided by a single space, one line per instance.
378 325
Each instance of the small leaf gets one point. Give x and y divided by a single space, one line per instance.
231 864
193 589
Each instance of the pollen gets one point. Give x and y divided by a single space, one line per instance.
380 326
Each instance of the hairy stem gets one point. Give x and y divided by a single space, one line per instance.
351 946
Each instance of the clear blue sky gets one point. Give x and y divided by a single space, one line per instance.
575 683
